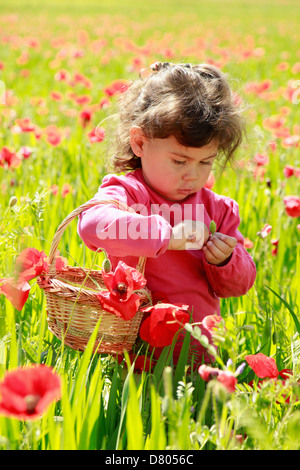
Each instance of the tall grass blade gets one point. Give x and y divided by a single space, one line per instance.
134 423
294 316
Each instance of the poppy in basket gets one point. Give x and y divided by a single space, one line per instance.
31 263
160 327
121 298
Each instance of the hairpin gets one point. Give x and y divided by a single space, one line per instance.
157 66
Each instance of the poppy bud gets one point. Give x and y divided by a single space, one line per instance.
13 201
212 227
247 327
106 265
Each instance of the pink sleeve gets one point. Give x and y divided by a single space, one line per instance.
121 233
238 275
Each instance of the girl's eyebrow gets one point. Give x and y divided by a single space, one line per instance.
212 156
182 155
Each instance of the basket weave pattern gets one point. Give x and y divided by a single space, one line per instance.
73 308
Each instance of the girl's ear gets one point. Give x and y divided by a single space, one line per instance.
137 140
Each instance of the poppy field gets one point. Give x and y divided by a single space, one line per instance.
62 66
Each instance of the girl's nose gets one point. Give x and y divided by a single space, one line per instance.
190 175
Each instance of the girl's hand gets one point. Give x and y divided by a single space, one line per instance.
219 248
188 235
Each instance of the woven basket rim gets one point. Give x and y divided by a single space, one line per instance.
59 289
47 283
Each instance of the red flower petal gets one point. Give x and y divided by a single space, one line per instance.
61 263
292 205
123 274
160 327
123 309
211 321
27 392
16 292
208 372
228 380
31 263
262 365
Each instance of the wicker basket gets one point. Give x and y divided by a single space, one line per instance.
73 309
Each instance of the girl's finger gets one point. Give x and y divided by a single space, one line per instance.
216 249
231 241
223 247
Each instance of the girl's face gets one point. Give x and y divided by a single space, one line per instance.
172 170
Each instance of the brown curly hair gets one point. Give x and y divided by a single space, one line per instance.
193 103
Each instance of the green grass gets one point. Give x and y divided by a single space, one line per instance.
104 404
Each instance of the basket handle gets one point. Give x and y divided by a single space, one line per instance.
60 230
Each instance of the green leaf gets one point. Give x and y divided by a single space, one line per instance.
294 316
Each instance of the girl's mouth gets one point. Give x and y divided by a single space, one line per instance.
186 192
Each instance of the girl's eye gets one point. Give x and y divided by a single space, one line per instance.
179 162
206 163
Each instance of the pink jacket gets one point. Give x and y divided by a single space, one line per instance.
180 276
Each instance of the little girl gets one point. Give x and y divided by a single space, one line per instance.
173 125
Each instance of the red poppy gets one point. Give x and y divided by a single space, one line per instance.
66 189
96 135
31 263
8 158
292 205
130 278
82 100
264 232
207 372
85 116
226 378
61 263
262 365
265 366
211 321
117 87
274 122
121 284
62 75
274 250
16 291
258 88
125 309
160 327
25 125
261 159
273 145
290 141
25 152
53 135
248 244
27 392
288 171
78 78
